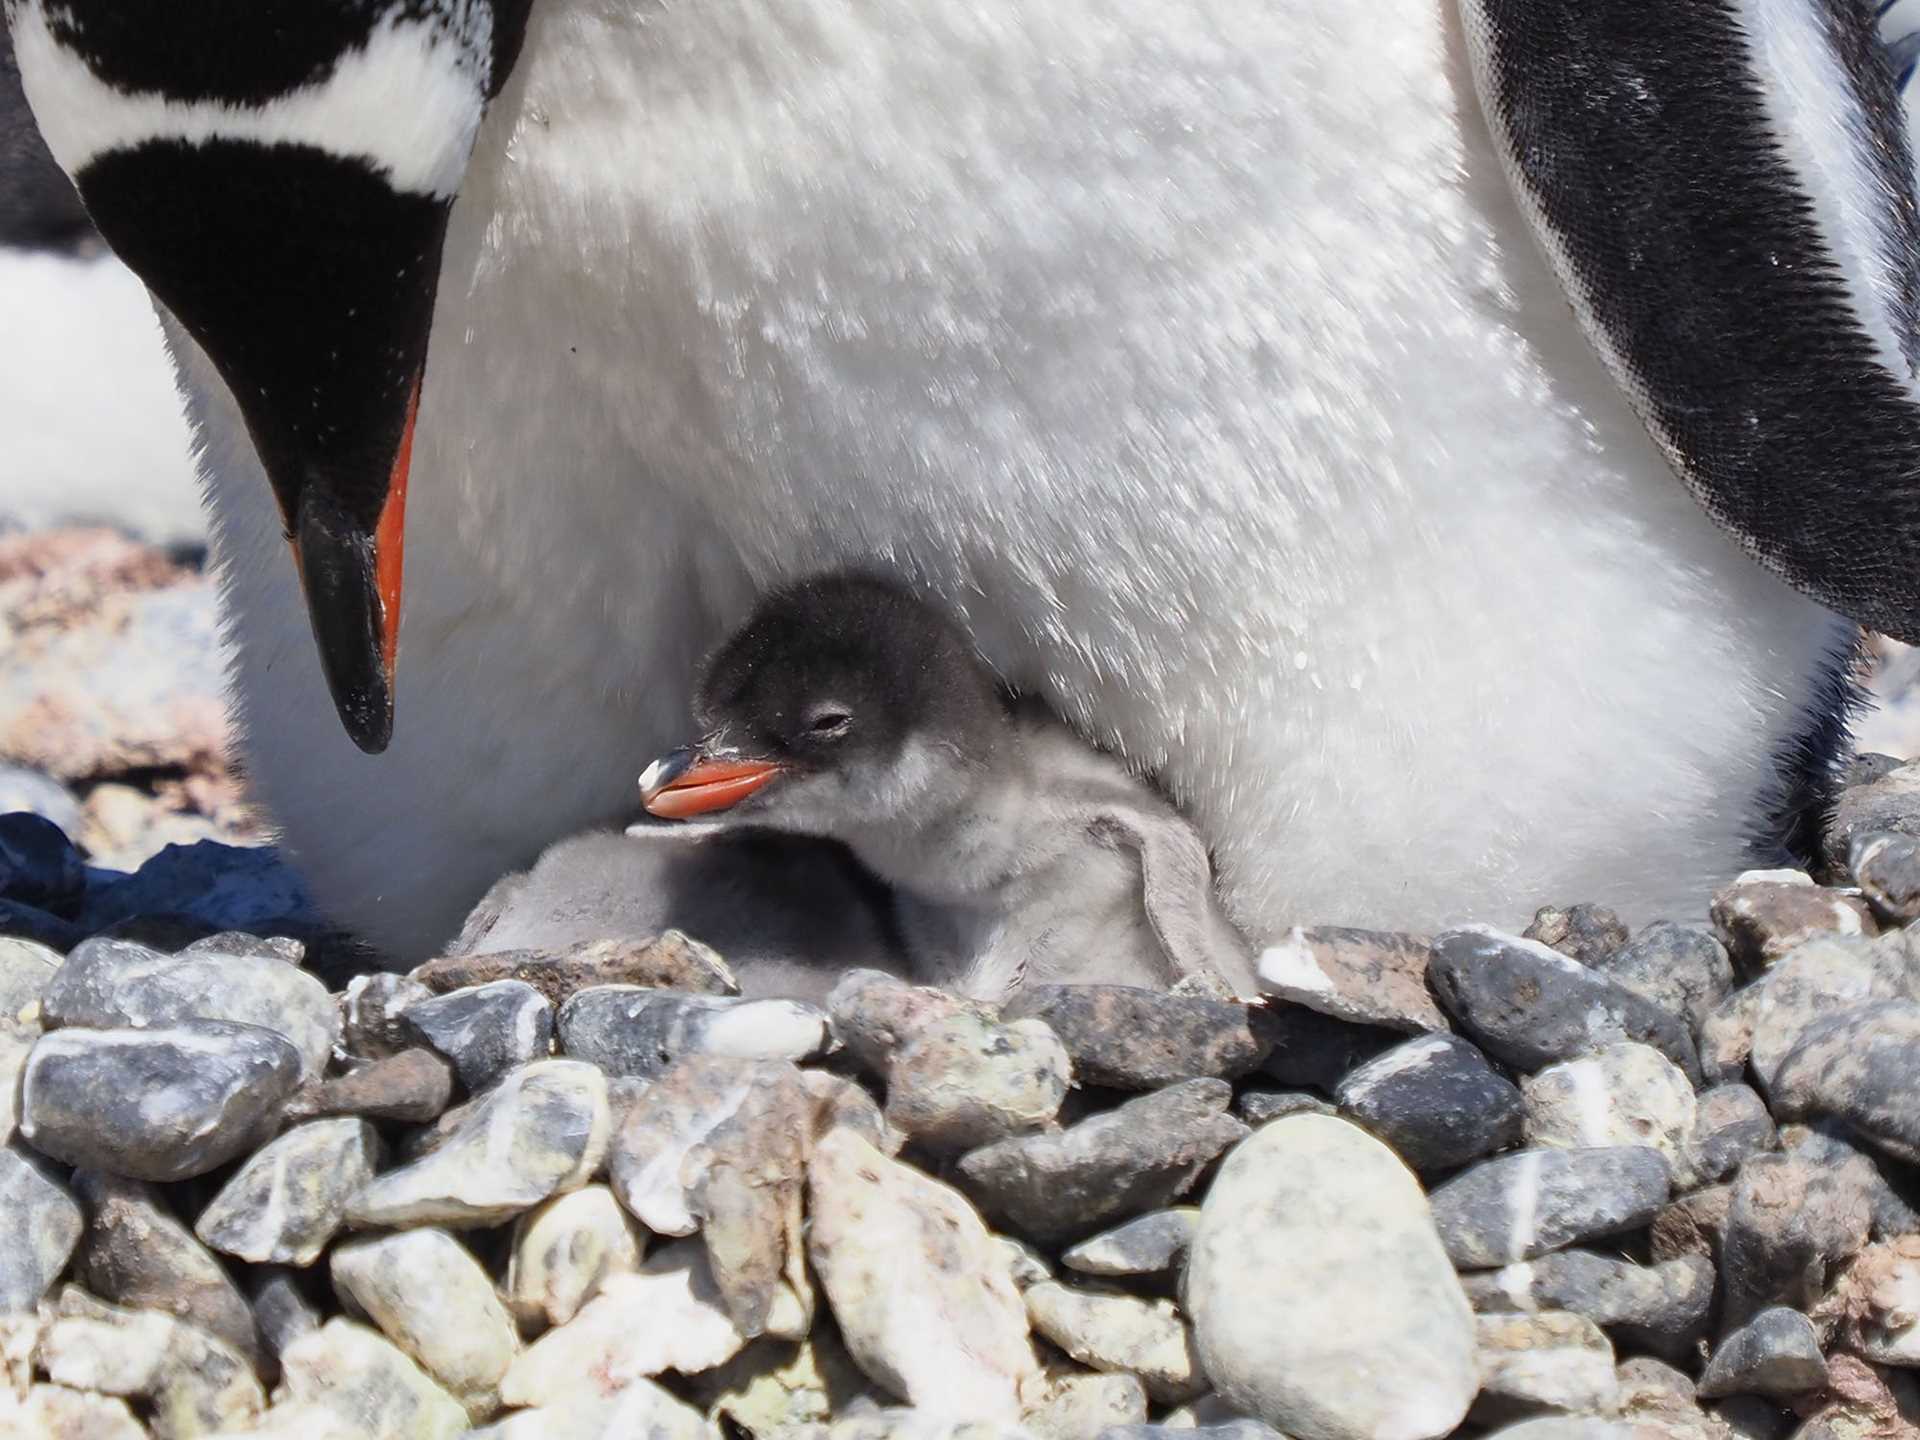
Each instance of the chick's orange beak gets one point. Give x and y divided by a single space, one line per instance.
687 783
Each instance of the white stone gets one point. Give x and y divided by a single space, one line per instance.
374 1388
1624 1094
564 1251
1119 1333
639 1410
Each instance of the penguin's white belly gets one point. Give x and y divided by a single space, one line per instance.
1195 351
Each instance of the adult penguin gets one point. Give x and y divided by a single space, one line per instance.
1215 359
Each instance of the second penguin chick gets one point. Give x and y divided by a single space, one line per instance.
1019 855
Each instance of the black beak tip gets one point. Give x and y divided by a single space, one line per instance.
343 604
368 718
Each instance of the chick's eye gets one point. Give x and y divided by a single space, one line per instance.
828 724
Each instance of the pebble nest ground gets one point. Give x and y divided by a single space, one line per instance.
1559 1186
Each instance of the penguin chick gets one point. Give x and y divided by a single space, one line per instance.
848 709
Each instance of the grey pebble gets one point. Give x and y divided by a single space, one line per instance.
25 970
1730 1125
281 1310
1860 1066
1887 870
1683 970
1662 1307
1436 1100
1893 1214
485 1031
1776 1353
1590 934
1765 915
872 1013
1514 1207
414 1086
43 1226
1530 1006
163 1104
629 1030
290 1197
370 1009
1256 1107
1789 1222
107 983
1150 1244
961 1082
1128 1038
1134 1158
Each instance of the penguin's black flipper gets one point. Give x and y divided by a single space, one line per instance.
1726 190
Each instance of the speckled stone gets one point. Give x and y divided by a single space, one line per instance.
1860 1066
1776 1353
26 968
358 1375
564 1251
872 1012
920 1290
1529 1005
540 1132
1364 976
1683 970
163 1104
369 1010
1622 1094
1789 1222
1764 915
1314 1271
672 961
1128 1038
43 1224
486 1031
1552 1363
291 1196
650 1154
1887 869
1590 934
961 1082
1662 1307
1120 1334
1137 1157
628 1030
1436 1101
107 983
1514 1207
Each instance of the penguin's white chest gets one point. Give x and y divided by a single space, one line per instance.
1195 352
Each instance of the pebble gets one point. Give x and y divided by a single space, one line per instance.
639 1410
14 1049
1256 1107
1887 870
1590 934
107 983
873 1012
282 1312
1079 1407
1514 1207
628 1030
1623 1094
1889 801
291 1196
1858 1066
1877 1303
1137 1157
1683 970
1765 914
1730 1125
43 1223
1553 1362
25 970
359 1376
53 1412
485 1031
921 1292
1120 1334
370 1009
1529 1006
1316 1270
564 1251
1128 1038
1815 982
1317 1051
414 1087
1694 1224
161 1104
192 1383
673 961
1436 1101
1892 1215
541 1131
1661 1307
961 1082
1152 1244
772 1384
39 866
1363 976
648 1157
1775 1353
745 1188
840 1101
667 1316
135 1253
1788 1223
430 1297
1565 1427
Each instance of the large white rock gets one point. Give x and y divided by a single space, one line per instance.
1320 1295
564 1250
356 1374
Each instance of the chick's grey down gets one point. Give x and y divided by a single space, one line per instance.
1302 400
1017 855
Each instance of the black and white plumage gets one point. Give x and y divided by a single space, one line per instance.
1199 355
848 710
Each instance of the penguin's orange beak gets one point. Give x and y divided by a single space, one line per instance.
686 783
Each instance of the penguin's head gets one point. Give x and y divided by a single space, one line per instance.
842 704
280 173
